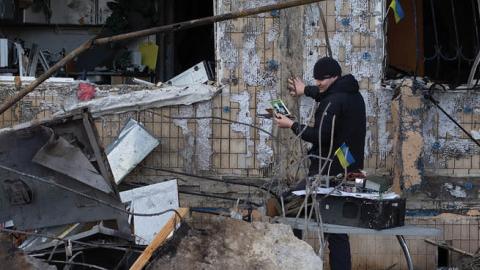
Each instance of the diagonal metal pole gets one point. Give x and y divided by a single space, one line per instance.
146 32
436 103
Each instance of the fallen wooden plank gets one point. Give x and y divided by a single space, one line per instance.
449 247
159 239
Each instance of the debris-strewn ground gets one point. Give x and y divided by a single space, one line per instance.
225 243
13 259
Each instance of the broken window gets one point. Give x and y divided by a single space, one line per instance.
181 50
448 40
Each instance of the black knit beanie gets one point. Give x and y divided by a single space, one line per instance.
325 68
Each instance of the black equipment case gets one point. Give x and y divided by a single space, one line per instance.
360 212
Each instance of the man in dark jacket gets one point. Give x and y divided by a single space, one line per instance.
348 107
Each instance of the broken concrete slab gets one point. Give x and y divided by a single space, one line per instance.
224 243
133 144
146 99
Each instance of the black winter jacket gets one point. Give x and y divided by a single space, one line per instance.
347 104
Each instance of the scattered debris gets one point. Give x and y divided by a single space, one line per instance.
55 179
50 171
73 232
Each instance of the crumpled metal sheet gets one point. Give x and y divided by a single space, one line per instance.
151 199
199 73
61 156
30 203
133 144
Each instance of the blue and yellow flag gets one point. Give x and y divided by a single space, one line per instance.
397 10
344 156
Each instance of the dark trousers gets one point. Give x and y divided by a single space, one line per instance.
339 246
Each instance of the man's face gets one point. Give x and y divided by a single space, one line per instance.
324 84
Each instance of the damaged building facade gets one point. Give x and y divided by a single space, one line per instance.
221 132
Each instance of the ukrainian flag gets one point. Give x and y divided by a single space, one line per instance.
344 156
397 10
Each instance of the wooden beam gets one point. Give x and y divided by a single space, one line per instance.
446 246
146 32
159 239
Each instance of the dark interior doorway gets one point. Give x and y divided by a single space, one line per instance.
181 50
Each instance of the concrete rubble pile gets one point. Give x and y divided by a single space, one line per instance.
224 243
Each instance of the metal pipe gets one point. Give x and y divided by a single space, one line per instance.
64 240
406 252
